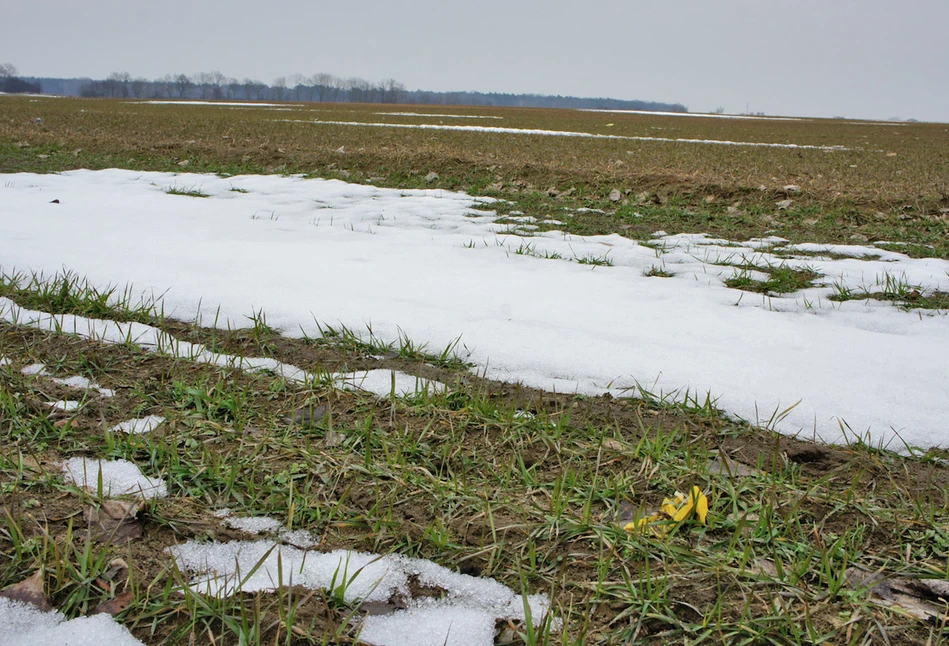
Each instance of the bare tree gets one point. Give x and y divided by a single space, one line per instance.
297 85
279 89
360 90
163 87
217 81
117 85
392 91
182 84
325 84
253 89
7 70
233 88
138 87
203 82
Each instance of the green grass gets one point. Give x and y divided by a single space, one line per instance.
190 192
894 289
527 487
782 279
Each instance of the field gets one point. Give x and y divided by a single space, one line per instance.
563 495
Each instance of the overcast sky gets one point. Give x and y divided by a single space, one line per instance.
856 58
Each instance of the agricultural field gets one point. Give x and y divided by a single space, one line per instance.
306 374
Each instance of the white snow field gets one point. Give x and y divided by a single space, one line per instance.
434 266
563 133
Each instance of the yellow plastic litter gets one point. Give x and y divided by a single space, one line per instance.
677 509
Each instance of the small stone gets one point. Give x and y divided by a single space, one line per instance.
859 237
43 156
431 177
709 199
184 163
341 150
642 198
333 439
552 192
615 195
792 188
306 415
54 201
783 204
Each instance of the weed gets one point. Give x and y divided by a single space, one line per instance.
189 191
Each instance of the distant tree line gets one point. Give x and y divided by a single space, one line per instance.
320 87
13 84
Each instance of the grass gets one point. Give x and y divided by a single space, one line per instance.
724 191
190 192
894 289
781 279
657 271
491 479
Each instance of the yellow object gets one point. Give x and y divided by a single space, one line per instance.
677 509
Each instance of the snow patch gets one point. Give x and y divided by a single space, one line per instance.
119 478
468 610
138 425
23 624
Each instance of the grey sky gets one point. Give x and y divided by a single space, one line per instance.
857 58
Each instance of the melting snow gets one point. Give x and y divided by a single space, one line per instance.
82 383
119 478
696 114
301 538
223 104
566 133
222 569
443 116
384 382
416 264
22 624
139 425
151 338
67 406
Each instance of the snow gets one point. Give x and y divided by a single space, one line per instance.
224 104
254 524
695 114
22 624
442 116
138 425
384 382
119 478
468 610
64 405
78 382
434 624
379 382
424 264
565 133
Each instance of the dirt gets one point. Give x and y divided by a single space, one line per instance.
479 539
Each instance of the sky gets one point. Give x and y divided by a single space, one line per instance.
552 311
872 59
